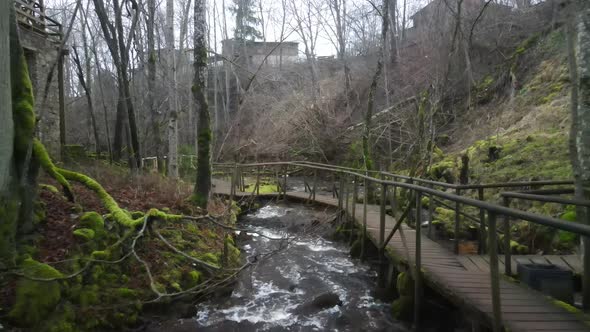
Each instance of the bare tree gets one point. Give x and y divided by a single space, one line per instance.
82 75
308 30
151 84
373 89
119 49
203 179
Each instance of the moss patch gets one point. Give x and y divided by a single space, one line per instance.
35 300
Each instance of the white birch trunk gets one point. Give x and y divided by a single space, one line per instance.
172 93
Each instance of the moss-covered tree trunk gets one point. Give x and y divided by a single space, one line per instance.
17 172
203 180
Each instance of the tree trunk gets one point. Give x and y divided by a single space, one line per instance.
203 180
368 160
6 124
172 94
154 116
86 86
582 119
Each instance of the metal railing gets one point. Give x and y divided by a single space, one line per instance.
419 187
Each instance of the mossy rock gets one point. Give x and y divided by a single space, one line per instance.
35 300
84 234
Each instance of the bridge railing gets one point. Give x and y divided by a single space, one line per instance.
350 180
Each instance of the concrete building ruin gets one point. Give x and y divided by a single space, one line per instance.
41 37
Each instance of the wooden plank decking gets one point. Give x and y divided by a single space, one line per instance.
464 280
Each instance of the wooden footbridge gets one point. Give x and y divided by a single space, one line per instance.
471 282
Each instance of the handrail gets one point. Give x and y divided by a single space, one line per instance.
426 181
490 207
544 198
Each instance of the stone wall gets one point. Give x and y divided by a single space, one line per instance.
41 55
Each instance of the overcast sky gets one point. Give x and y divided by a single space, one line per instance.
272 13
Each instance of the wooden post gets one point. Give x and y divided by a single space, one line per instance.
382 271
346 194
495 274
507 253
340 198
418 267
482 224
364 238
586 276
257 180
231 186
285 182
430 212
278 179
315 181
355 191
457 221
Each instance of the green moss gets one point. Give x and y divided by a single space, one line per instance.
209 258
101 254
49 188
48 166
403 307
137 214
405 284
110 204
85 234
444 170
89 295
193 278
155 213
566 306
126 293
92 220
9 211
35 300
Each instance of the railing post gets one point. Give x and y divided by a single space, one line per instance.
457 221
365 198
346 197
257 180
418 267
353 207
482 224
340 197
231 186
430 212
381 277
394 200
494 274
315 181
285 182
507 249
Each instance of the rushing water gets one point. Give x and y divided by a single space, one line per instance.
269 296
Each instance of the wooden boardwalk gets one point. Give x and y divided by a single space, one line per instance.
463 280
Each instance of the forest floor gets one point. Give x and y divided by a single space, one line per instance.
104 274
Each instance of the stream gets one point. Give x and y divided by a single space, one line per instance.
275 295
